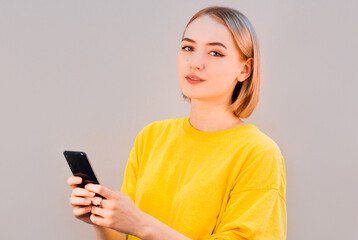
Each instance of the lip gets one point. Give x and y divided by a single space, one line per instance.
193 76
193 81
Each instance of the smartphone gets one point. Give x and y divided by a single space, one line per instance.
81 167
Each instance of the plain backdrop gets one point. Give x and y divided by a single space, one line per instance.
89 75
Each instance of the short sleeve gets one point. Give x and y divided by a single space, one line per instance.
256 208
131 170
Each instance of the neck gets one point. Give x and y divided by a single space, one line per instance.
212 116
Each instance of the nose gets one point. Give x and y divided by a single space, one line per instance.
196 62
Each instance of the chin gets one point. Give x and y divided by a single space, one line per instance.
197 97
194 95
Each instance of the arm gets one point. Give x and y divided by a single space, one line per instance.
146 228
256 207
156 230
104 233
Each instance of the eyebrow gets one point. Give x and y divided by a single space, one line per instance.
210 44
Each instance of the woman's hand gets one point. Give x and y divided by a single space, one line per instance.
80 200
117 211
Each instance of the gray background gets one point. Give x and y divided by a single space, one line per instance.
89 75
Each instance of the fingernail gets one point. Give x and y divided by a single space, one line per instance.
87 201
92 194
88 209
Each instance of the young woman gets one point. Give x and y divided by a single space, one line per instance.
207 176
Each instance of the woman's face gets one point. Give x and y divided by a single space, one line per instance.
208 51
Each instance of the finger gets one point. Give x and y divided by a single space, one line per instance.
73 181
101 190
98 220
99 211
81 211
96 201
81 192
78 201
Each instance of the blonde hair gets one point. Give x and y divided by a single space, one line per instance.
246 94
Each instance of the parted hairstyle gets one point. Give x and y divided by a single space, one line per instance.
246 94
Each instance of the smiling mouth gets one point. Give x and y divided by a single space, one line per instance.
193 82
193 77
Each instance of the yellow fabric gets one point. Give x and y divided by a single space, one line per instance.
228 184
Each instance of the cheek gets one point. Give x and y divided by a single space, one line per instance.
180 64
226 69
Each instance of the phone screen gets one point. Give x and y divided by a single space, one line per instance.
81 167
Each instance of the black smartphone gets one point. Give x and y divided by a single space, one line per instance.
81 167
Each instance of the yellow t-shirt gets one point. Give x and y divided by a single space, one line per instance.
228 184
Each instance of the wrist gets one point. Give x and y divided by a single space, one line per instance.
151 228
100 232
146 227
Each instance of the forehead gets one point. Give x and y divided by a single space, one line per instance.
208 29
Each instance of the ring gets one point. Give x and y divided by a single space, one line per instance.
100 203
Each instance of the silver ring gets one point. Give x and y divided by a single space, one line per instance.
100 203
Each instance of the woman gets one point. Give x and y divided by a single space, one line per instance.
207 176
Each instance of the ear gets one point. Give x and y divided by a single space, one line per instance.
245 70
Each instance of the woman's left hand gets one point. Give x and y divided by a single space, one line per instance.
117 211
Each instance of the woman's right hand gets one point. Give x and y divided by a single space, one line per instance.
79 200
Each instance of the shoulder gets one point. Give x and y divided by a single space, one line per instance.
259 143
263 162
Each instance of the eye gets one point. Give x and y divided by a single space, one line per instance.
216 54
190 49
187 48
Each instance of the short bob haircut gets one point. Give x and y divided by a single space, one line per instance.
246 94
